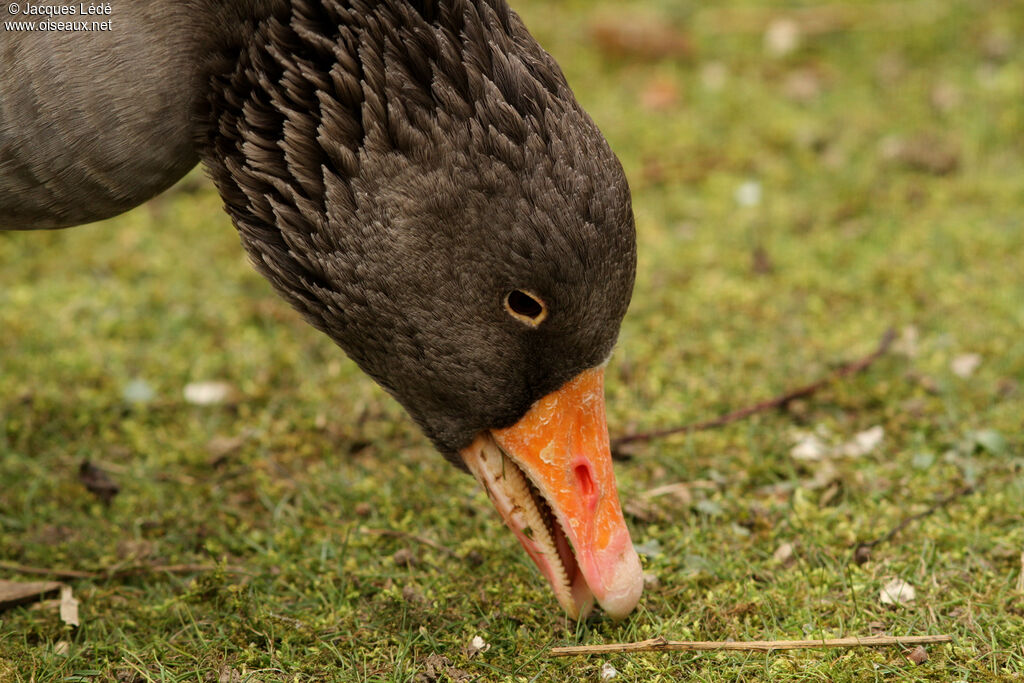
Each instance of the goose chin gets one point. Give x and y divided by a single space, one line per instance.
550 478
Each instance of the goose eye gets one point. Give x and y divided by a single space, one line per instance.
526 307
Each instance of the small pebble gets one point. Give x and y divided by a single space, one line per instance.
918 655
404 558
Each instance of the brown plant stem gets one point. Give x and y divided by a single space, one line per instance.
780 401
663 645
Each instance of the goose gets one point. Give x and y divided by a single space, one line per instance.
416 178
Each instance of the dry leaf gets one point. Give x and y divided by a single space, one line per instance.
782 37
208 393
608 672
14 593
220 447
660 94
713 76
785 554
404 557
945 97
963 366
230 675
439 668
926 153
680 491
642 37
68 606
748 194
138 391
863 443
809 447
897 592
97 482
918 655
477 646
761 261
908 342
802 85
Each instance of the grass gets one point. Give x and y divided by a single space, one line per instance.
889 163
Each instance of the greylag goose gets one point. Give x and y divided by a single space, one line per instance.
416 178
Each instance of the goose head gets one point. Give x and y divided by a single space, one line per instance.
418 180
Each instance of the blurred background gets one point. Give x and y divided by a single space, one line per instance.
805 176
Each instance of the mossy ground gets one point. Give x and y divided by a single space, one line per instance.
888 154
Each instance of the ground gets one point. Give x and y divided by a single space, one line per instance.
803 181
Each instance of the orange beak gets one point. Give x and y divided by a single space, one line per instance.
550 477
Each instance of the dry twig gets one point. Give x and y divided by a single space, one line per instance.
419 539
663 645
862 553
773 403
116 573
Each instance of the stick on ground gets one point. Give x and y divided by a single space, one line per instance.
780 401
117 572
663 645
862 553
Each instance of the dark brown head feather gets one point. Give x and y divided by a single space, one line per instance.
395 168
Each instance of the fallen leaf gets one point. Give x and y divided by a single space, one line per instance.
710 508
802 85
660 94
963 366
809 447
945 97
208 393
998 44
14 593
404 557
897 592
714 75
477 646
439 668
748 194
782 37
138 391
220 447
642 37
413 595
643 510
785 554
907 344
925 152
989 440
68 606
229 675
863 443
918 655
97 482
680 491
761 262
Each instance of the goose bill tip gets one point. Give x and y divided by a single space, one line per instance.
550 477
